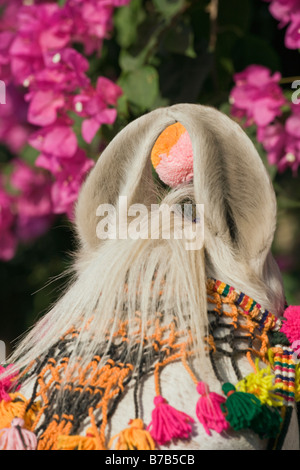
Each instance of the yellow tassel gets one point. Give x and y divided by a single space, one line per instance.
297 383
133 438
87 442
15 409
262 385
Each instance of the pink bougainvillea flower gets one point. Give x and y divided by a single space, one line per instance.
257 95
69 178
7 35
44 106
273 138
287 12
36 40
14 129
292 124
8 241
41 28
93 104
6 214
8 245
65 70
292 37
8 384
34 186
47 24
58 140
92 21
283 9
34 205
282 142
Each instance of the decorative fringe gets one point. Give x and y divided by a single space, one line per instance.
208 410
133 438
17 437
168 423
87 442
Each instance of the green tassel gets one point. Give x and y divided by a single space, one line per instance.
267 423
241 408
245 411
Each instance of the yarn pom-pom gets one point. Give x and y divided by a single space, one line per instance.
208 410
8 383
133 438
291 326
172 156
17 437
168 423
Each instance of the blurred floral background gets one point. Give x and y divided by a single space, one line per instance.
75 72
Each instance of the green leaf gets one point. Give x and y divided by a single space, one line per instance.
126 21
168 8
129 62
141 86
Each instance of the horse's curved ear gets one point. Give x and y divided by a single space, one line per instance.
123 169
231 181
229 178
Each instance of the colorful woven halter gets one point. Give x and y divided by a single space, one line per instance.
64 400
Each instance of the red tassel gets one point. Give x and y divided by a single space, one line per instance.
168 423
208 410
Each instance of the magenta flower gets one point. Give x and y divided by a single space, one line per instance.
36 52
93 105
69 177
8 241
7 35
282 142
257 96
287 11
57 140
6 211
34 205
273 138
44 107
292 37
14 128
8 384
64 70
283 9
92 21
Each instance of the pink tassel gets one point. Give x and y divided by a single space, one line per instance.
168 423
208 410
16 437
8 383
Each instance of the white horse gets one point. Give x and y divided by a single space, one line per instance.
240 218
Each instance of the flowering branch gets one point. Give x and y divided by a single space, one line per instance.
37 54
